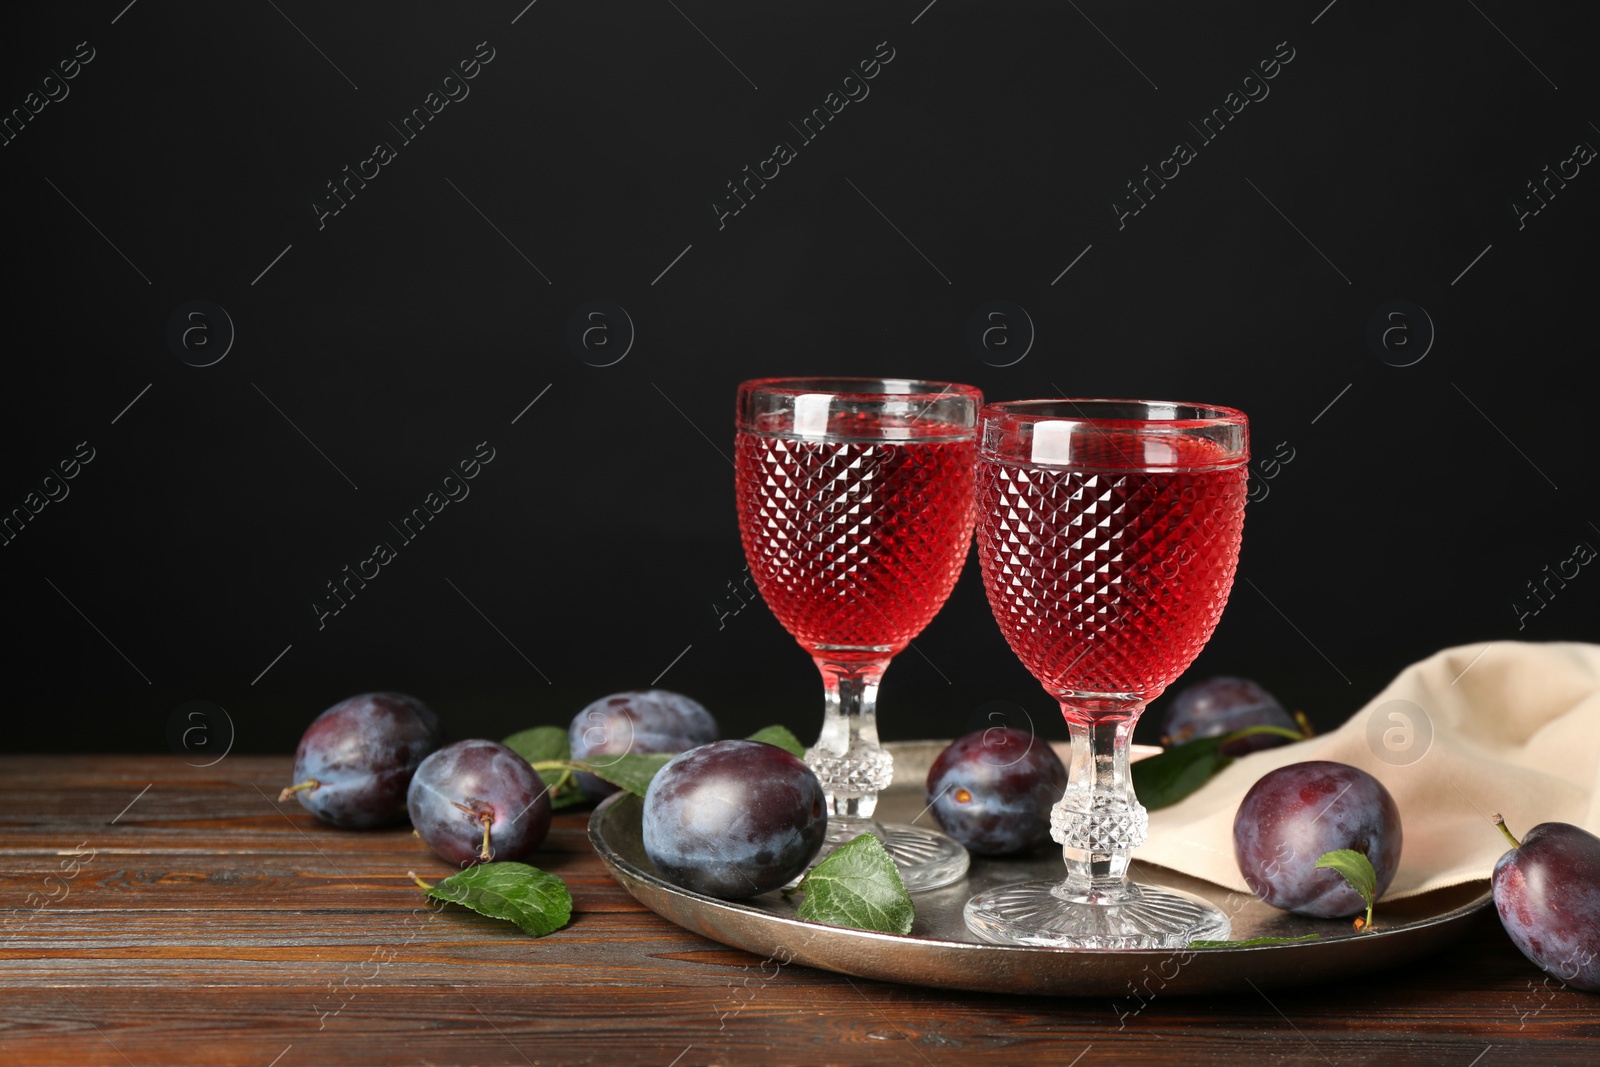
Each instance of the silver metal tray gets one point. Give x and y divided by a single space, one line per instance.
940 952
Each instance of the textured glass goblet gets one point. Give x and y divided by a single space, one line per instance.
1108 533
856 509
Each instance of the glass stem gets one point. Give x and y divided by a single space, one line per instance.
847 758
1099 821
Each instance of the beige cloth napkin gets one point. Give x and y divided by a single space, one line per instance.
1506 727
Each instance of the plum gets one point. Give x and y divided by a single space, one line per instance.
644 720
1547 891
476 801
356 759
1293 815
734 818
992 790
1219 706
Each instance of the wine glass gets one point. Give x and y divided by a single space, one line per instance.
1108 533
856 509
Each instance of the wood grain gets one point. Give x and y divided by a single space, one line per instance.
205 923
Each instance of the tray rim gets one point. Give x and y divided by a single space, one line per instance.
612 857
1224 969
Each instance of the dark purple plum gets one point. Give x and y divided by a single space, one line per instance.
356 759
992 790
1547 891
476 801
644 720
1219 706
734 819
1295 814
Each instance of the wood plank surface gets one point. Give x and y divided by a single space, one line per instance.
155 913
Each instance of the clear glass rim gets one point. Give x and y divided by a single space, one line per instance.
861 388
1077 410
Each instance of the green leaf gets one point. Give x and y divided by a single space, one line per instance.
535 900
1278 731
547 748
631 771
1253 941
858 886
782 737
1356 869
1180 770
569 795
1174 774
540 743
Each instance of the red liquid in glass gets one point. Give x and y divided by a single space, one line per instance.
855 544
1110 580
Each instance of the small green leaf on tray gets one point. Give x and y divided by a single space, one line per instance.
1357 870
535 900
781 736
1169 777
858 886
1254 941
540 743
631 771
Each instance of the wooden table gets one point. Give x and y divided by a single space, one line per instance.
206 923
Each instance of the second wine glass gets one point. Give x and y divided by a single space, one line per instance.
1108 535
855 501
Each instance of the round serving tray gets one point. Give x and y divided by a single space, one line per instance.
940 952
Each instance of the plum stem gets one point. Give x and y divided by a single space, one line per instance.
564 766
1500 822
309 783
484 817
1305 725
413 876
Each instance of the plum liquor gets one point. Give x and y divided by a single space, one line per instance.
855 544
1106 579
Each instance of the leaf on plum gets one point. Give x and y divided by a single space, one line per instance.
858 886
548 749
537 901
540 743
782 737
1356 869
631 771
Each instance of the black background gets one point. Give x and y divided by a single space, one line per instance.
600 541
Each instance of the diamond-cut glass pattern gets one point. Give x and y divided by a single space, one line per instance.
1113 824
1108 581
855 543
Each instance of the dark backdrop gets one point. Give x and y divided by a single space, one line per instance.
374 348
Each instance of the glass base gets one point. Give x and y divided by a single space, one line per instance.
1042 913
927 859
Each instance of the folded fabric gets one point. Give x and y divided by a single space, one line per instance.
1505 727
